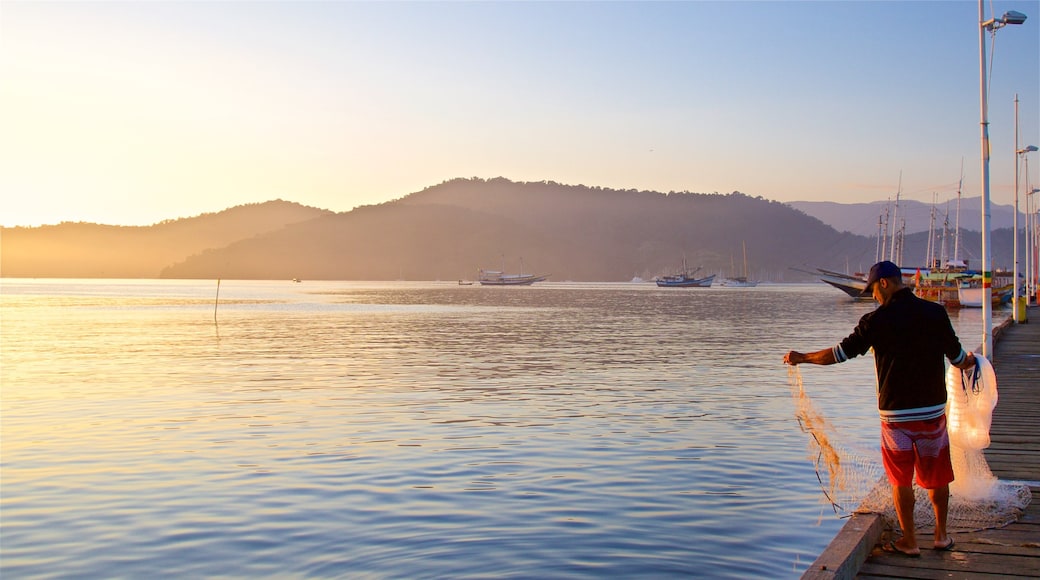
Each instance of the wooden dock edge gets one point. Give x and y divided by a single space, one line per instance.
848 550
842 558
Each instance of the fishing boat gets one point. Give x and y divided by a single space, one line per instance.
500 278
741 281
971 296
942 284
971 291
685 279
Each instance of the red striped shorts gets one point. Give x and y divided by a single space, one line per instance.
917 446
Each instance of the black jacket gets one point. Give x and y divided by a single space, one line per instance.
910 337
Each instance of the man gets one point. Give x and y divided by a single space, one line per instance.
910 336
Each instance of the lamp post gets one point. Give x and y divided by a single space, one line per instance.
991 25
1031 240
1019 154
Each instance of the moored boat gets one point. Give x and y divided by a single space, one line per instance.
941 285
971 296
741 281
685 279
849 284
500 278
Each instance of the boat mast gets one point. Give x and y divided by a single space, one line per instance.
930 248
745 260
895 220
878 251
903 234
957 233
943 256
884 238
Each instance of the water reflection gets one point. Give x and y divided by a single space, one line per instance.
415 430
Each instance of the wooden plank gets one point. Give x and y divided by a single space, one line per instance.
889 572
953 564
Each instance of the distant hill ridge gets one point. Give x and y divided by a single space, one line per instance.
862 218
447 231
85 250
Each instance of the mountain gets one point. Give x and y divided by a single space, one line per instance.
572 232
448 231
862 218
84 250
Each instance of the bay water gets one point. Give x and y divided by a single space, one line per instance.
418 430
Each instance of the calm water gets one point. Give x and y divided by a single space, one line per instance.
405 430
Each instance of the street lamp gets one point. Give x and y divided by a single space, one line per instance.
1019 154
991 25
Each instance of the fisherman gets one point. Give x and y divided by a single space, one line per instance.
910 336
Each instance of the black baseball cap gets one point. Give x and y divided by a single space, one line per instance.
881 270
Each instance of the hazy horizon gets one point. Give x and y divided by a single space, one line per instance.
970 207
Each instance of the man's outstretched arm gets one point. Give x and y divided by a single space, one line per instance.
820 357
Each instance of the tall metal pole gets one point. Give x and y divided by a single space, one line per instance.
1029 241
1035 240
1030 233
987 304
1014 231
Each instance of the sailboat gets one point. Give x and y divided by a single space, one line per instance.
741 281
949 281
854 284
941 279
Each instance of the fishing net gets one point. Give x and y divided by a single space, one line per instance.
846 475
853 480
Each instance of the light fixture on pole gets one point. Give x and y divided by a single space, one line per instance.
991 25
1019 153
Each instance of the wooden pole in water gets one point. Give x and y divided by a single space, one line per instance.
215 301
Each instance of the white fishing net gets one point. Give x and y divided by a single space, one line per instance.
852 480
846 476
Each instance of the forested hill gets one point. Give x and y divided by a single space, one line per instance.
448 231
580 233
86 250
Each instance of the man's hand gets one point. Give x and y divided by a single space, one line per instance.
968 362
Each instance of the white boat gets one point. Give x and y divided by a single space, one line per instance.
971 296
501 278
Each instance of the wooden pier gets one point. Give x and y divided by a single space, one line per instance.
1014 454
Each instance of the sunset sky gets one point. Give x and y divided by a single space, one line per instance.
135 112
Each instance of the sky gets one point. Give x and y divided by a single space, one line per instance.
131 113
